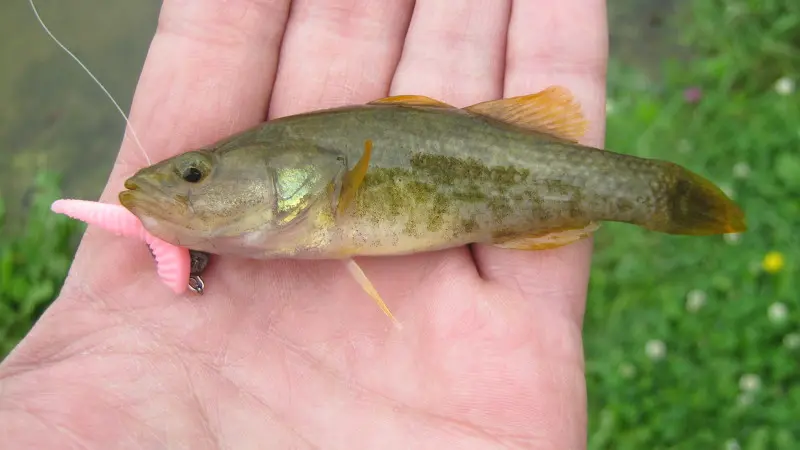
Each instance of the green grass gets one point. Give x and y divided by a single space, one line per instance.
33 261
702 392
690 343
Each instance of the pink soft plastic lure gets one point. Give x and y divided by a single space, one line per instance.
172 262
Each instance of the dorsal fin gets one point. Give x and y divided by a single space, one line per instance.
412 100
553 111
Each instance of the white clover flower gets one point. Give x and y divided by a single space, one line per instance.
732 238
610 106
785 86
745 398
728 190
732 444
627 370
734 9
684 146
749 382
741 170
655 349
792 341
695 300
777 312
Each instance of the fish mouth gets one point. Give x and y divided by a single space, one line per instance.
128 199
131 184
142 198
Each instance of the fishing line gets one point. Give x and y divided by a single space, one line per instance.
169 258
89 72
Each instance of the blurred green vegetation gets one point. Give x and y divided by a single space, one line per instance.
53 117
34 261
694 343
691 343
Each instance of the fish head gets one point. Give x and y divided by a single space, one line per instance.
211 200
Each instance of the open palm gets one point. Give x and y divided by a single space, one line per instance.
293 354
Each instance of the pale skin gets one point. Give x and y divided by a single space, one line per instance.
293 354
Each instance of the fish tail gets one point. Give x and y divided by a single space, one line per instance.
697 207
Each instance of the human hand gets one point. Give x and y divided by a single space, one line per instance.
284 354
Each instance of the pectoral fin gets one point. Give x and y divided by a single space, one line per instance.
550 239
353 179
553 111
367 286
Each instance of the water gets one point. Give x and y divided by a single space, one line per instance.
53 117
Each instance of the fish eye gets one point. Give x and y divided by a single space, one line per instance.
192 174
193 167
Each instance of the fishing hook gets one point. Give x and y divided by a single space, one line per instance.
198 262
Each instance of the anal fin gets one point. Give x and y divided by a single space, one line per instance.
549 239
367 286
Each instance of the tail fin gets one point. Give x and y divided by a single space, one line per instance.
697 207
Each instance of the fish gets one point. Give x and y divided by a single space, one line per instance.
407 174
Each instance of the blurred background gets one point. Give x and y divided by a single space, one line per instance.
690 343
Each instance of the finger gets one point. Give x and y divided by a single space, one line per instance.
563 43
208 73
455 52
338 52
